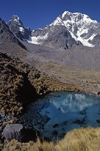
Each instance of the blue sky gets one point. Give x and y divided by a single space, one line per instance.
38 13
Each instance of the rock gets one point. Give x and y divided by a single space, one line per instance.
18 132
13 131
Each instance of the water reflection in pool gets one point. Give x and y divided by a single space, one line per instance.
59 112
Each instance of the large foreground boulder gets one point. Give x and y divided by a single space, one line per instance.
13 131
18 132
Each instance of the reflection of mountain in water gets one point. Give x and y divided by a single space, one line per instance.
59 112
73 102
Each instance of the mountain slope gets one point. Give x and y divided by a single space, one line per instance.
9 42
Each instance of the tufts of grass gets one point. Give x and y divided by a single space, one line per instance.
87 139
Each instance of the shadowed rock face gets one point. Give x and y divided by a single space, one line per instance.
5 33
9 43
96 41
59 36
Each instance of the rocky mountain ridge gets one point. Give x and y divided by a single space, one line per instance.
77 28
67 30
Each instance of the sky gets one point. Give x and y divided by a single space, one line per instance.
38 13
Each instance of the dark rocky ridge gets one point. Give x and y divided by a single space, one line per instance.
9 43
6 34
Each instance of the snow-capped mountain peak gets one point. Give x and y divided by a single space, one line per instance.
72 18
17 27
66 12
79 25
76 17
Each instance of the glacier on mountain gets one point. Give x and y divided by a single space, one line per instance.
37 40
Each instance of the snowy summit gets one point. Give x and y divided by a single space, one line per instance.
79 25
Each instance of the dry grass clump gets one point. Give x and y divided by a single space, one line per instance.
43 83
87 139
81 140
